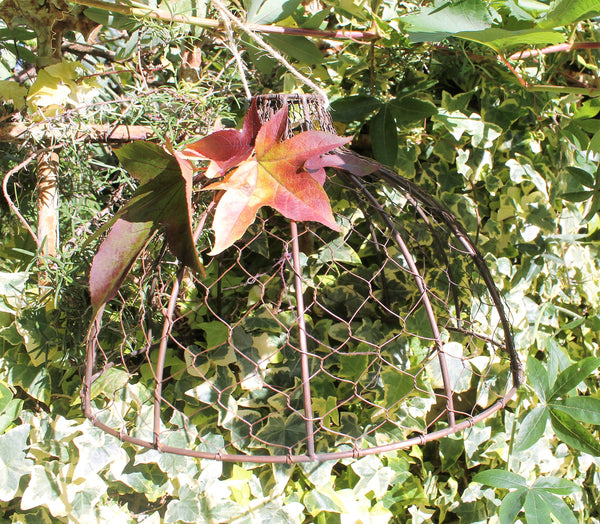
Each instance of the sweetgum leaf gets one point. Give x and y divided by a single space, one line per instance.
274 177
228 147
162 200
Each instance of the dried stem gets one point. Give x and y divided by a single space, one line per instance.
11 204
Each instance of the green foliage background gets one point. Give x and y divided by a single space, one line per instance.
513 154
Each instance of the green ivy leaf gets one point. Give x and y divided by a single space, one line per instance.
184 509
44 489
282 431
5 396
573 433
396 386
34 380
13 464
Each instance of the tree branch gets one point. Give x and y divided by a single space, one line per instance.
559 48
209 23
92 133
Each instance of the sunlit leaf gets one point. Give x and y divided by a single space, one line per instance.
498 38
374 476
556 485
274 177
323 499
499 478
11 90
584 409
184 508
532 428
565 12
557 507
13 464
432 24
538 376
536 508
269 11
511 505
573 376
228 147
44 489
573 433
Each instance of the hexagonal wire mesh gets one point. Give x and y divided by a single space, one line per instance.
305 344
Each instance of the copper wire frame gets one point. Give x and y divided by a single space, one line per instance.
453 298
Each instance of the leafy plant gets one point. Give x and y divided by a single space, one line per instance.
565 410
509 143
540 501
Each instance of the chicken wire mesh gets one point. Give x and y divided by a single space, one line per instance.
301 343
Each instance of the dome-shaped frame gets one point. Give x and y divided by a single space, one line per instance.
304 344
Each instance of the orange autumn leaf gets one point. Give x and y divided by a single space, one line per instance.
274 176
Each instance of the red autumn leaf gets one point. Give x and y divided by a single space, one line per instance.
274 177
162 199
228 147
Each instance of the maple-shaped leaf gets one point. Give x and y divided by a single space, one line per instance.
274 176
162 199
228 147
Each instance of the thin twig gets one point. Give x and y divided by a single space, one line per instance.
234 50
11 204
272 52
